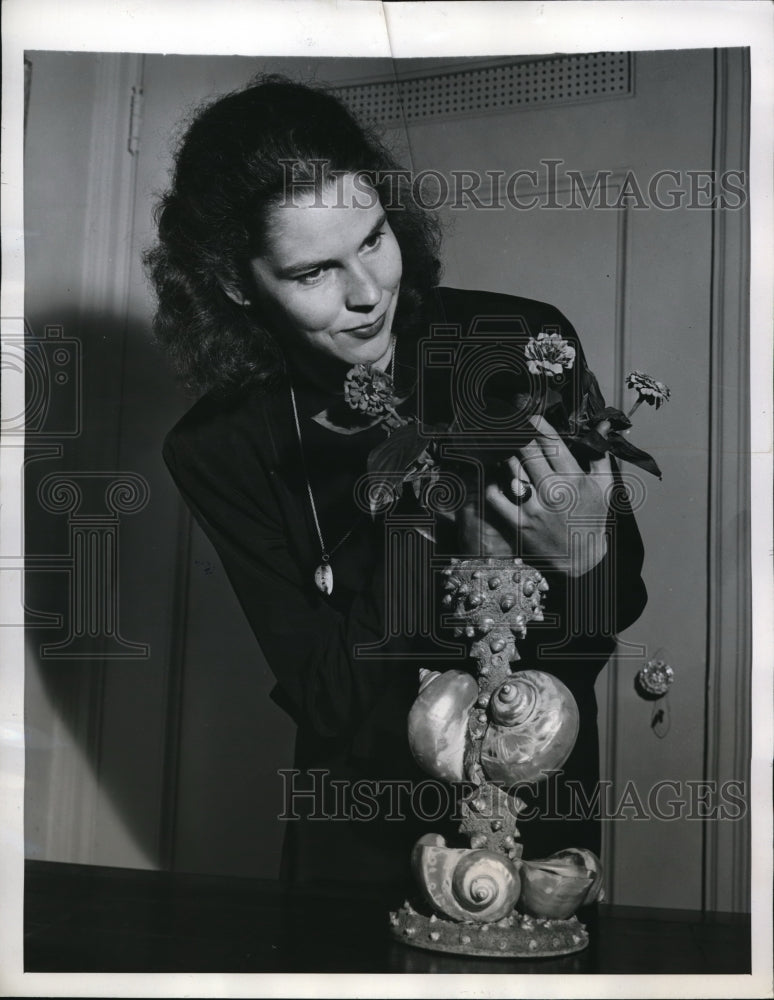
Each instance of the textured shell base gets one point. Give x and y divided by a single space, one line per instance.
516 936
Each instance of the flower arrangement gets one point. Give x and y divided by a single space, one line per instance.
370 391
648 390
593 411
549 354
413 456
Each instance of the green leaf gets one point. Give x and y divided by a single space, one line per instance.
587 447
398 451
618 419
622 448
552 399
592 392
592 445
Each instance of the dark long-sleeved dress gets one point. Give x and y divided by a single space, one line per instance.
345 677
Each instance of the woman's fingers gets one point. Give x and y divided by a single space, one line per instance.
535 455
601 466
540 462
560 458
517 476
549 446
546 430
509 511
602 471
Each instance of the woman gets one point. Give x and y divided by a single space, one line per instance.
287 256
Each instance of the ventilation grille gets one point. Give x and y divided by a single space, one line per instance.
501 87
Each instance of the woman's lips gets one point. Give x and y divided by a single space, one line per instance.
365 332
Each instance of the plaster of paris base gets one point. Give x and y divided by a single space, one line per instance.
516 936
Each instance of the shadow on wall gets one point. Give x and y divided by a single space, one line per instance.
151 739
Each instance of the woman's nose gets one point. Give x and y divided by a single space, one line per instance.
363 291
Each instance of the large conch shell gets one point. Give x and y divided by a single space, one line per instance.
465 884
533 729
438 722
557 886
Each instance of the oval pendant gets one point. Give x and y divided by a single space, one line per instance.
323 578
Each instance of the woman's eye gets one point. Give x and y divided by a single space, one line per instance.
311 277
373 241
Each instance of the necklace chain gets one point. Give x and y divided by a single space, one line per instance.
325 553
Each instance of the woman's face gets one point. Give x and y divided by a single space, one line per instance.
328 275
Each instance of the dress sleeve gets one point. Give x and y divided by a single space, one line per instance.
308 644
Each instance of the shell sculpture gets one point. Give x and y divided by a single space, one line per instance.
514 725
556 887
498 729
533 728
438 722
463 884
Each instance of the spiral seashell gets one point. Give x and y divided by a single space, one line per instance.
533 729
556 887
427 677
484 884
465 884
513 702
438 722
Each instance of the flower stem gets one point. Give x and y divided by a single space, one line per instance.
638 403
392 420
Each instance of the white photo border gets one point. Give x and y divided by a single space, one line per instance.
368 28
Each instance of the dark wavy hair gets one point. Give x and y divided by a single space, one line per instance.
228 172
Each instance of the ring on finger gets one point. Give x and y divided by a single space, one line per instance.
518 491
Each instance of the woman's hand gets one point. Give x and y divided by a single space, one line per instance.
562 522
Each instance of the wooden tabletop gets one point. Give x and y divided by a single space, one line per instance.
81 918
